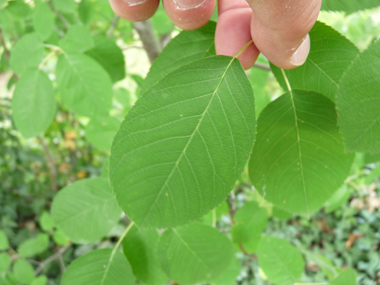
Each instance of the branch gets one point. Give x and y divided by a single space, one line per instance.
149 39
60 16
113 26
50 164
52 258
2 41
252 256
262 66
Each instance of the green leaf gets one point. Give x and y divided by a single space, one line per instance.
140 247
28 52
33 246
99 267
250 220
229 275
330 56
375 173
86 210
110 56
280 214
84 85
105 168
18 8
3 241
43 20
122 96
40 280
33 103
5 262
77 39
161 22
46 222
60 238
349 6
281 262
184 144
194 253
23 271
298 160
183 49
259 79
65 6
85 11
347 277
101 131
338 199
358 102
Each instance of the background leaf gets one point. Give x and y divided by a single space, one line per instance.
5 262
298 160
190 161
183 49
34 246
99 268
110 56
194 253
101 131
349 6
281 262
77 39
86 210
359 91
23 271
43 20
347 277
84 85
46 222
330 56
140 247
28 52
33 103
4 244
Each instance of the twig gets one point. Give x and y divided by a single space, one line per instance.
252 256
50 164
232 205
262 66
2 41
52 258
149 39
61 264
113 26
60 16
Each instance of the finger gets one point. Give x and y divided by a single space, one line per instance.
189 14
134 10
233 31
280 29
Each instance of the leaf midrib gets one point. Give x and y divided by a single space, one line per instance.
187 144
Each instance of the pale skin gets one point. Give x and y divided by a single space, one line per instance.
279 28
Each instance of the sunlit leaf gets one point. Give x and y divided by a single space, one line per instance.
86 210
358 102
298 160
280 261
181 148
33 103
99 267
77 39
4 244
347 277
194 253
43 20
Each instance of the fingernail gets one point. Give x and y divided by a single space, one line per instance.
188 4
134 2
300 55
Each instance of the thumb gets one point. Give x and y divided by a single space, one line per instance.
280 29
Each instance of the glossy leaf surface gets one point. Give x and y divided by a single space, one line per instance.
181 148
298 160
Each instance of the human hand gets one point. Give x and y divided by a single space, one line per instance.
279 28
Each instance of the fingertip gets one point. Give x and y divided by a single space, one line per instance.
134 10
233 33
300 55
189 14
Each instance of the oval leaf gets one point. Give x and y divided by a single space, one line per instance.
84 85
281 262
34 246
101 131
181 148
5 262
358 102
99 267
322 70
28 52
33 103
23 271
4 244
43 20
86 210
347 277
298 160
77 39
140 247
194 253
